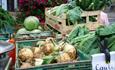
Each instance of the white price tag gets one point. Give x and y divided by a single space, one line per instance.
99 63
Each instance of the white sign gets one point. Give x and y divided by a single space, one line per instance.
99 63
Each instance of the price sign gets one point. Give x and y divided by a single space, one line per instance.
99 63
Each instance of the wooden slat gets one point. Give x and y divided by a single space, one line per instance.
55 17
90 13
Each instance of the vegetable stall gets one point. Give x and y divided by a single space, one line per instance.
71 34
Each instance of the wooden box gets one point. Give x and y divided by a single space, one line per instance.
59 22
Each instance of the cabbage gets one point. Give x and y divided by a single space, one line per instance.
31 23
36 31
22 31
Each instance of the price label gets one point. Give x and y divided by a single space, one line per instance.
99 63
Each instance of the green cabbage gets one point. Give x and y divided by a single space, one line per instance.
31 23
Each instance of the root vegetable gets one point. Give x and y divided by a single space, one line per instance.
47 48
61 46
37 51
40 43
25 55
48 40
63 57
70 50
38 62
25 65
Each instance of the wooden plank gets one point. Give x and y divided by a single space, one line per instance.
54 17
57 18
90 13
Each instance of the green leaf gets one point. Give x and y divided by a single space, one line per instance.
111 43
74 15
78 31
87 43
62 9
107 30
73 33
5 19
48 59
94 51
79 39
82 55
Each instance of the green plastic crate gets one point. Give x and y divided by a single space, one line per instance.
77 65
34 36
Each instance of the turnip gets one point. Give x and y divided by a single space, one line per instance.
26 55
25 65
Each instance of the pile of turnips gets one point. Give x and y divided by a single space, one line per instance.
46 52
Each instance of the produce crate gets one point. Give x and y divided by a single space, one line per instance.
34 36
75 65
59 22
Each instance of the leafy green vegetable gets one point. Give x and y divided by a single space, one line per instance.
72 4
73 33
84 41
31 23
48 59
111 43
107 30
74 15
6 20
94 51
78 39
90 5
113 47
76 32
72 11
87 43
82 55
62 9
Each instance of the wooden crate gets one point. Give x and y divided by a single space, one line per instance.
59 22
89 24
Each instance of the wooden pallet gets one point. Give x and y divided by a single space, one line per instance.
59 22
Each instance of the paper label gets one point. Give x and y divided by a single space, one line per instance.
99 63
